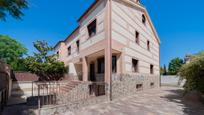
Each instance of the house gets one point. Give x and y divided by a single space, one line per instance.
113 37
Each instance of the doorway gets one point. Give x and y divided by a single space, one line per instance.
92 72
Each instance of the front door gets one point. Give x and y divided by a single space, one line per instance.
92 72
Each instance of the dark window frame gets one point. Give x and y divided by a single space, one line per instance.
78 45
137 37
69 50
101 65
92 28
135 66
139 87
148 45
151 69
114 64
144 20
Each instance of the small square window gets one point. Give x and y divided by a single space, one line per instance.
137 34
152 84
151 69
135 65
139 87
92 28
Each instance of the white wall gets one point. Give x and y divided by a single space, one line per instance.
126 21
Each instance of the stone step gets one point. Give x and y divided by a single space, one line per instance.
71 85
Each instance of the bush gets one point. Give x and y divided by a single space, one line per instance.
193 72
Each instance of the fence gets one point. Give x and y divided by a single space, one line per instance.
53 94
3 98
172 80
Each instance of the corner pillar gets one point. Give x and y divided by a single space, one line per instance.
85 69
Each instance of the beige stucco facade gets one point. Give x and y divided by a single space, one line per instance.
116 24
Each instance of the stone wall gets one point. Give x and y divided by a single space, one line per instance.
63 108
124 84
75 99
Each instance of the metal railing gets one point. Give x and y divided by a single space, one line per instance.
3 98
47 93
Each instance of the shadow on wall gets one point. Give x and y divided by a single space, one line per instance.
189 108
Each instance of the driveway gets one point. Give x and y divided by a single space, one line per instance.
163 101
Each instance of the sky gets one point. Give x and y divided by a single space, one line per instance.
179 23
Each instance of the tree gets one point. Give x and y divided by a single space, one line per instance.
161 70
44 65
12 52
12 7
193 72
174 66
165 71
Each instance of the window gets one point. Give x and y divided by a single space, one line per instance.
77 43
114 64
139 86
137 34
148 45
57 53
101 65
92 28
151 69
152 84
134 65
143 19
69 50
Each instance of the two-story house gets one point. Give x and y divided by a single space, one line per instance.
113 37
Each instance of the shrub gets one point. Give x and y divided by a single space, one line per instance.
193 72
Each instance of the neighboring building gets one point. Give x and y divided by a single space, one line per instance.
121 29
188 59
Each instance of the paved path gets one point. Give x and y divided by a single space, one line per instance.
164 101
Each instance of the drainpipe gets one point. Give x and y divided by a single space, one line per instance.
109 2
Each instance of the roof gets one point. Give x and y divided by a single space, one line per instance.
25 76
77 28
90 7
58 44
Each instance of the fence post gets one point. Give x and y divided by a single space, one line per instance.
4 97
32 89
0 101
38 99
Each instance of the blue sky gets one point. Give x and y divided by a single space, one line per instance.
179 23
